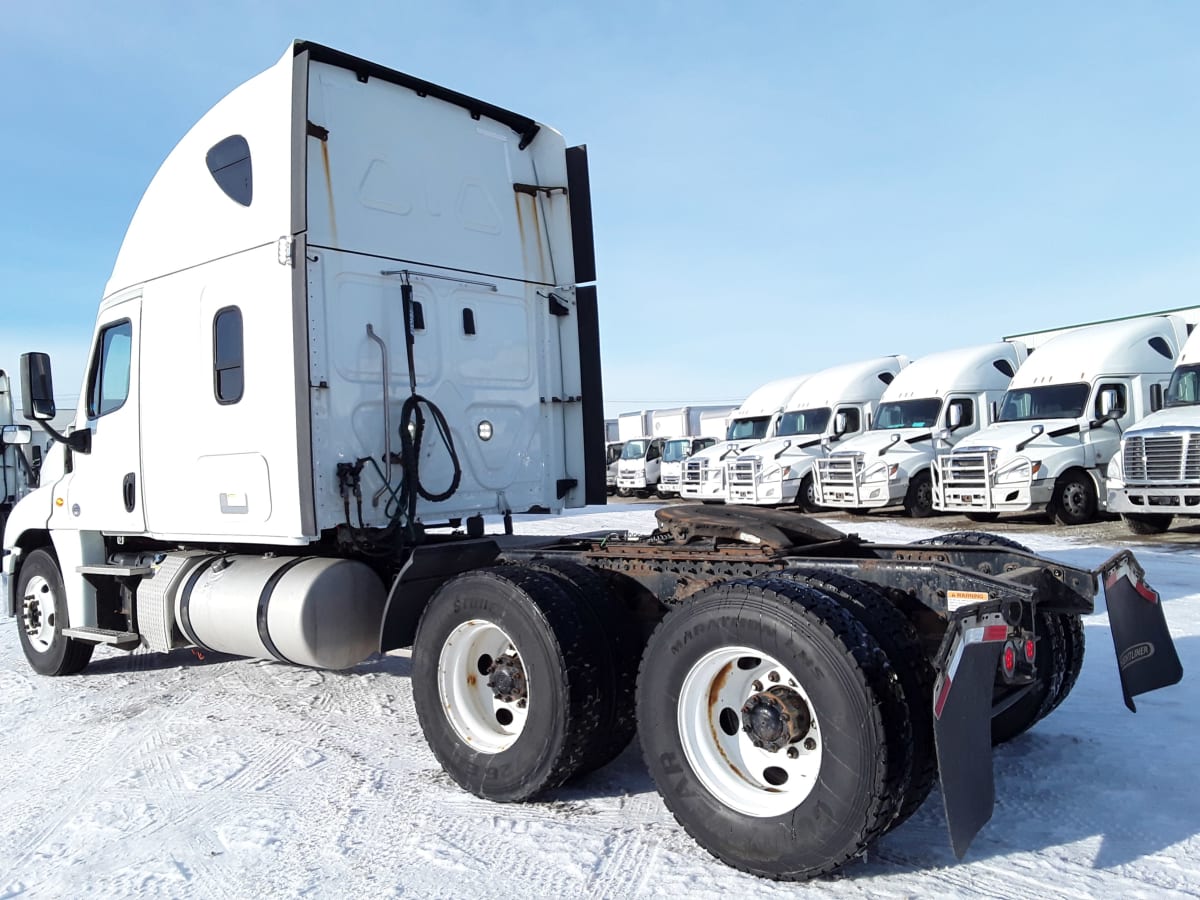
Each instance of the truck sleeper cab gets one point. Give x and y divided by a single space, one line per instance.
1155 475
1060 423
832 405
932 404
703 476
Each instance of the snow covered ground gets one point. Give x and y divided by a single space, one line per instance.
167 775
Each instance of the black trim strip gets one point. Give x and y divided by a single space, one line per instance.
185 600
264 603
1060 432
595 466
916 439
364 69
583 242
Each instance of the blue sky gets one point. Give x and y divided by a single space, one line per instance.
777 187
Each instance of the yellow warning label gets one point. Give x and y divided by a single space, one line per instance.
956 599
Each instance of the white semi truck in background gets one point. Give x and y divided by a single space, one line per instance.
833 404
371 295
1061 421
1155 476
931 405
756 419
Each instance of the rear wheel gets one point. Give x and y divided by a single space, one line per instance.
773 726
505 683
918 501
1073 501
897 637
42 615
1147 523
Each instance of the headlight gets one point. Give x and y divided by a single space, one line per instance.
881 472
1116 467
1019 471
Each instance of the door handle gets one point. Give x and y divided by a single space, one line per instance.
129 490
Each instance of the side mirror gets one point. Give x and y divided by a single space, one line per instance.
37 387
840 424
954 415
1156 397
11 435
1108 404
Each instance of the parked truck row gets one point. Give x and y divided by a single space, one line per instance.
375 299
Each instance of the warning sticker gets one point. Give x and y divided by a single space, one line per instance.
958 599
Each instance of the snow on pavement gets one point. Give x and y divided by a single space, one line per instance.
168 775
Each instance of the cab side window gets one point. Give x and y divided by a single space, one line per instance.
228 358
654 451
967 411
108 381
853 419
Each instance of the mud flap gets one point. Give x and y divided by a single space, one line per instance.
1146 654
962 730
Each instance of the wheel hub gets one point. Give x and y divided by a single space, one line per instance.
775 718
506 678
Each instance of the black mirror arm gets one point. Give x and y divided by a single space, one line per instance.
79 441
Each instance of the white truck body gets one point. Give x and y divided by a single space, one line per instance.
1156 474
715 422
612 430
612 458
682 428
635 424
756 419
290 247
1053 437
834 404
890 464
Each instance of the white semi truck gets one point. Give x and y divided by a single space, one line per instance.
1061 421
368 298
1156 474
930 406
755 420
833 404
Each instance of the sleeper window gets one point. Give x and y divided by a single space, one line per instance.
228 381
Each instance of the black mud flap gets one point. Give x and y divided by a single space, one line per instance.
962 729
1146 654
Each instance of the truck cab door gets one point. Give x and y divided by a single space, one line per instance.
104 490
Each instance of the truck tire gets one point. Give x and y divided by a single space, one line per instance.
1147 523
1073 652
897 637
618 653
504 682
1073 501
806 496
918 500
767 717
975 539
42 615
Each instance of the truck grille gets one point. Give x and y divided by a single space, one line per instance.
840 468
967 470
695 471
743 471
1163 459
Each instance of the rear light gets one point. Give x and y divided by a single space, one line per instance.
1010 659
1030 650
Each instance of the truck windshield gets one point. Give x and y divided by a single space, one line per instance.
748 429
1184 389
676 451
1051 401
805 421
634 449
908 414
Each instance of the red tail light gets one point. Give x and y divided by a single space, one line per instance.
1030 650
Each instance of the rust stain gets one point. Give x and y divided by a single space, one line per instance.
714 714
522 230
471 679
329 189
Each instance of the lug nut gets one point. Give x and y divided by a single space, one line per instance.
774 676
793 752
757 685
521 703
810 744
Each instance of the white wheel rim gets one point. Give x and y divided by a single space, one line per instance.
482 720
37 613
746 778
